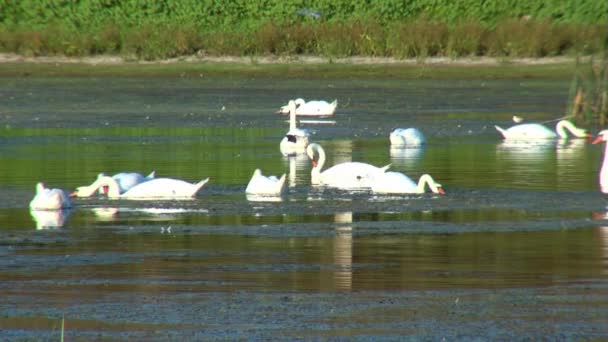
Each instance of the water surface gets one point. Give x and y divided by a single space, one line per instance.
518 245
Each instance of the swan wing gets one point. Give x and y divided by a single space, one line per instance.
351 175
394 183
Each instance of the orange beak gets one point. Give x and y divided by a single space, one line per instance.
74 194
314 163
597 140
441 191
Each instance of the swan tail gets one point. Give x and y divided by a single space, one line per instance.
501 130
281 183
198 186
385 167
151 175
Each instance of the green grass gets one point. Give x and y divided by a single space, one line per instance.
504 70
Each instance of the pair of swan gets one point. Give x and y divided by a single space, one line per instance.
296 140
356 176
407 137
533 131
49 199
311 108
156 188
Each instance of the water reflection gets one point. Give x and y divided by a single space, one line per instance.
405 156
343 251
602 232
108 214
298 164
263 198
50 218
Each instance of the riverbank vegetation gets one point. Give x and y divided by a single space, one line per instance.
151 30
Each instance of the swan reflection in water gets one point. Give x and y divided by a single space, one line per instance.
108 214
50 218
298 164
406 156
343 251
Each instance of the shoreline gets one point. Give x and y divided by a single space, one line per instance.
279 60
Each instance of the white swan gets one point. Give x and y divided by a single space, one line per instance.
127 180
409 137
534 131
603 136
398 183
296 140
312 108
348 175
265 186
157 188
49 199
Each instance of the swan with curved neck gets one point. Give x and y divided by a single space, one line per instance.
127 180
157 188
296 140
312 108
408 137
349 175
603 178
49 199
534 131
265 185
398 183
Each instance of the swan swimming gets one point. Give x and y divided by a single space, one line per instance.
127 180
311 108
49 199
603 178
399 183
407 137
296 140
532 131
348 175
157 188
265 185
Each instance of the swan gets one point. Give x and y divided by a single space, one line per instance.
157 188
398 183
534 131
267 186
296 140
347 175
127 180
407 137
312 108
603 136
49 199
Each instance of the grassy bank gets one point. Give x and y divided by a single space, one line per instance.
152 30
503 69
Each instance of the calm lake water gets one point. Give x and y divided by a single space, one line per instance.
517 248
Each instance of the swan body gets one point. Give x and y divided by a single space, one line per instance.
349 175
312 108
296 140
398 183
533 131
265 185
157 188
603 136
407 137
127 180
49 199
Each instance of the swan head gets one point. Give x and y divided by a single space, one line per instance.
577 132
310 152
601 136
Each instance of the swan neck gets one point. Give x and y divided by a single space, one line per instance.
426 180
292 116
604 169
564 125
318 166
